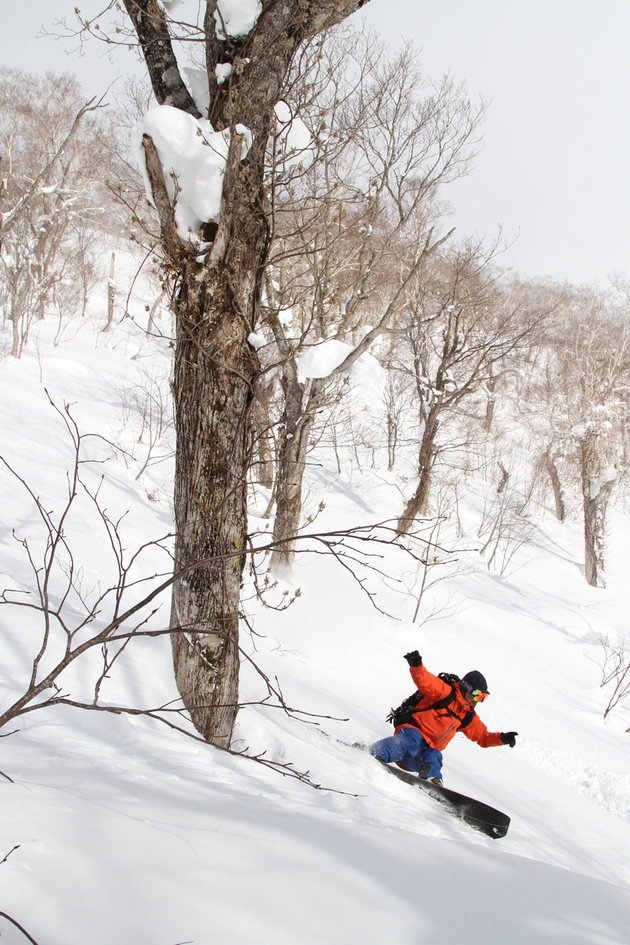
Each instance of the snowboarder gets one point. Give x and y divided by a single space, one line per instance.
426 722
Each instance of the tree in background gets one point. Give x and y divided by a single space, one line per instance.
587 373
52 202
460 323
354 225
571 403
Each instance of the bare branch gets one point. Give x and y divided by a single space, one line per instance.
19 927
10 217
170 237
150 23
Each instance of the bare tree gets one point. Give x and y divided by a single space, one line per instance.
615 669
88 629
147 418
217 304
551 467
579 394
52 164
398 401
602 348
353 226
460 323
73 621
79 634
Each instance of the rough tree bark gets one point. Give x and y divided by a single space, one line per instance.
263 440
596 493
418 504
556 485
300 412
217 306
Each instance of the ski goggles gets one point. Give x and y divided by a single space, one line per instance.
479 695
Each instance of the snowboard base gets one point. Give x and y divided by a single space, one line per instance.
488 820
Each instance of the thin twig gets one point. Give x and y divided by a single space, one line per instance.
18 926
6 857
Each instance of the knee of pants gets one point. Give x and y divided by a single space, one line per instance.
411 739
394 748
385 750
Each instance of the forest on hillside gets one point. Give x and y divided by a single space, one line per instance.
292 241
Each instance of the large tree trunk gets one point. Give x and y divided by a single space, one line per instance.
217 307
214 378
214 375
213 384
419 502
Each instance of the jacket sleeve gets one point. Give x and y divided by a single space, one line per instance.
476 731
429 685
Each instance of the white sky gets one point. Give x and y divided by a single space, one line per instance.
557 138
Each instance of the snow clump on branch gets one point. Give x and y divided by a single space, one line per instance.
197 82
171 5
608 476
193 158
292 138
236 17
324 358
223 71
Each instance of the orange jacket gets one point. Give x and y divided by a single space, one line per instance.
439 726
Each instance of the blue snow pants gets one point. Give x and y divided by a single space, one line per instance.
409 748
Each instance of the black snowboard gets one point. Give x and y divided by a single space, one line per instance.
481 816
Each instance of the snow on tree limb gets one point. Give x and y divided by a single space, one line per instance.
149 20
161 199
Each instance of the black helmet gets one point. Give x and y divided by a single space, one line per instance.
474 680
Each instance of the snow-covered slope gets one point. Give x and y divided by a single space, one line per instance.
132 834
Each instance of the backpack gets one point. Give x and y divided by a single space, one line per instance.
403 714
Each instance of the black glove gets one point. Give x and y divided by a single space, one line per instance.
509 738
413 658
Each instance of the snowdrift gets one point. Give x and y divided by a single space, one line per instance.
128 832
